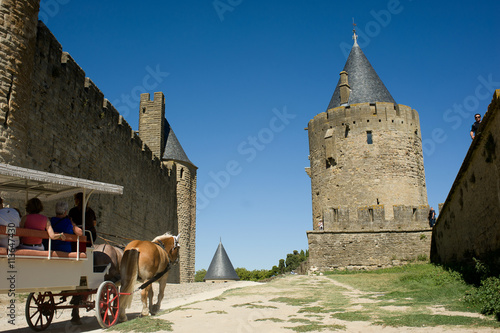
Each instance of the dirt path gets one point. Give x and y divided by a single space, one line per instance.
252 307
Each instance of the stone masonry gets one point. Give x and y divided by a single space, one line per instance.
468 227
55 119
367 176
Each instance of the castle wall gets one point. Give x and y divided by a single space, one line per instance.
468 223
63 124
329 250
18 27
348 171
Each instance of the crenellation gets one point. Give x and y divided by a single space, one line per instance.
147 152
136 140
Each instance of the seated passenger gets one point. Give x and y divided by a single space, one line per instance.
9 217
37 221
62 223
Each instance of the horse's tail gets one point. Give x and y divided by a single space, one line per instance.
129 268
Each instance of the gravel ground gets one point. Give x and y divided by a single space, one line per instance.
175 295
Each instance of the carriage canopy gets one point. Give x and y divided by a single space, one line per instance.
27 183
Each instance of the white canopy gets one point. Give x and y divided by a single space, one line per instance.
22 182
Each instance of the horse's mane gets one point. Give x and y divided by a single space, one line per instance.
162 237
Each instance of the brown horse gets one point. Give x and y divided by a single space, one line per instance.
147 261
104 254
107 254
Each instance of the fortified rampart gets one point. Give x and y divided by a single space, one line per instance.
372 218
468 224
370 241
55 119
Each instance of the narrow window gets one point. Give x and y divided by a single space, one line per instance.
414 214
370 213
369 138
182 173
335 215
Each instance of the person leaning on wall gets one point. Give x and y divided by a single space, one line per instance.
475 126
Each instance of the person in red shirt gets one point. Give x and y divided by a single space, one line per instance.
37 221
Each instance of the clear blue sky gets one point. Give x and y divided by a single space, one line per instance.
243 78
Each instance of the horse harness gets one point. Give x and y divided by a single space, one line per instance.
167 268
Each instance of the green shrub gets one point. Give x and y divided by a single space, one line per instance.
486 297
200 275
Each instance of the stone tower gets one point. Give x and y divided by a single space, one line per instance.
366 161
158 135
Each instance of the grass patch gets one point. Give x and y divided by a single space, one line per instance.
144 324
302 320
419 287
316 327
254 306
352 316
293 301
217 312
428 320
314 309
411 285
275 320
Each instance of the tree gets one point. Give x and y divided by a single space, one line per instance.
281 266
200 275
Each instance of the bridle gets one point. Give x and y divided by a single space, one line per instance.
176 246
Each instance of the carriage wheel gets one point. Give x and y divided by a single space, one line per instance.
39 310
108 304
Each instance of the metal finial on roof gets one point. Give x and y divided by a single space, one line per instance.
354 36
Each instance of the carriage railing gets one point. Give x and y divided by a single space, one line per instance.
24 232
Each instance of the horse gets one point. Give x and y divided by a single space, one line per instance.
105 254
147 261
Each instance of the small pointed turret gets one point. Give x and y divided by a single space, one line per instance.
221 269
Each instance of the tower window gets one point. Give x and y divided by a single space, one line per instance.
370 214
143 110
369 138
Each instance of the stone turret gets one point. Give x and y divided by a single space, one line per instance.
365 149
367 174
157 133
152 122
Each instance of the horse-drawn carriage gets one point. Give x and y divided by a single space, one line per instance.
52 277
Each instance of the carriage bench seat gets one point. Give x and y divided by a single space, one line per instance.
23 232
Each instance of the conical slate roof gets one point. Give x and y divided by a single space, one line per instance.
221 268
365 84
173 149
